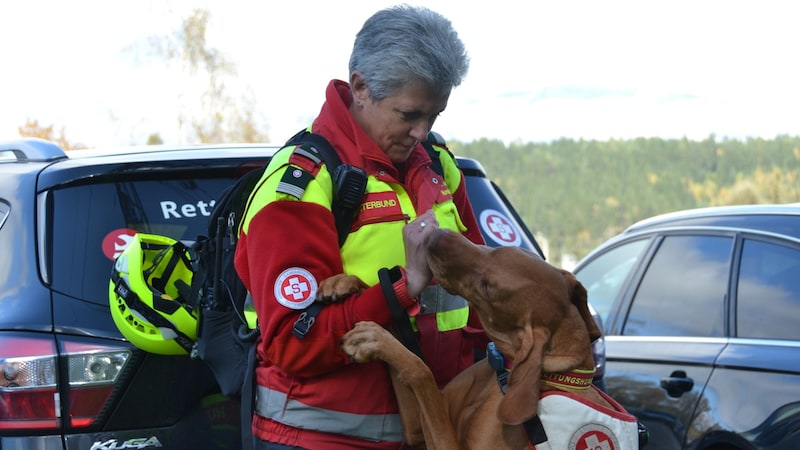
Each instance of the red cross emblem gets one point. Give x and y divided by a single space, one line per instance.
295 288
594 437
497 226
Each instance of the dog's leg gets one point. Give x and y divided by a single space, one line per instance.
368 341
409 410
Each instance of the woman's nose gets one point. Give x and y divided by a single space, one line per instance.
420 132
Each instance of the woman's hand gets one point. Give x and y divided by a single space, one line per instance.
415 238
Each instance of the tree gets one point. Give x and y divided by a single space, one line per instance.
154 139
223 115
33 129
763 186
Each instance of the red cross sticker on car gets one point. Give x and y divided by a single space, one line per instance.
295 288
499 228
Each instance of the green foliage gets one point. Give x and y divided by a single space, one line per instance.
578 193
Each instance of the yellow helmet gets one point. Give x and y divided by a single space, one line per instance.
149 295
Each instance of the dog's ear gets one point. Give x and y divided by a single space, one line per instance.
521 401
580 299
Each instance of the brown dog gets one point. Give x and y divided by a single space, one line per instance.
338 287
538 318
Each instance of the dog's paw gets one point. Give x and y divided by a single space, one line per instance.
338 287
364 342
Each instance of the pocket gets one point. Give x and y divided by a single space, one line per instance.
225 353
448 217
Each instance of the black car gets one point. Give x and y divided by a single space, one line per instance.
69 379
702 322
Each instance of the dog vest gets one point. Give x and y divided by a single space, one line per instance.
572 423
568 421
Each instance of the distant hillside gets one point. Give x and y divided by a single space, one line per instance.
578 193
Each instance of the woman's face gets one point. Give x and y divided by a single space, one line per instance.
400 121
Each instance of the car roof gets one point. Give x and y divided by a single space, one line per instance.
40 150
62 167
780 218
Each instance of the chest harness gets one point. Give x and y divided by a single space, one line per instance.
537 437
574 380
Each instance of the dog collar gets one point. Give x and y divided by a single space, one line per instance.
578 379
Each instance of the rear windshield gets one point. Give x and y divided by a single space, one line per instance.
92 224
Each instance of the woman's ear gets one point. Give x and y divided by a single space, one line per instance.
358 88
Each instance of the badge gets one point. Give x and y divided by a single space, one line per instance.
296 288
498 227
592 437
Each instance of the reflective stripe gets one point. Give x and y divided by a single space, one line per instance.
452 311
435 299
373 427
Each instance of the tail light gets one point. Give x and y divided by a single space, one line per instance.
31 375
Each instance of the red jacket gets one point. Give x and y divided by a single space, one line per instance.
286 241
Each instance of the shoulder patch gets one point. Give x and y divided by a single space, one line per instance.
307 158
294 182
295 288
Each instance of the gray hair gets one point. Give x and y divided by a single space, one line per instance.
405 44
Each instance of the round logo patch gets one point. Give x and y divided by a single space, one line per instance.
594 437
116 241
296 288
497 226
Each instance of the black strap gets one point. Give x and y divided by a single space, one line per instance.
349 182
533 426
436 162
307 318
387 278
535 430
133 302
324 148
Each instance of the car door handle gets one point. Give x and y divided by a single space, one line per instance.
677 383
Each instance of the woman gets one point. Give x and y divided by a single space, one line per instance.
404 63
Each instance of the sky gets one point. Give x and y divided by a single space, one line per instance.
540 70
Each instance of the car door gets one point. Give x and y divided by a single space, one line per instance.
666 328
755 389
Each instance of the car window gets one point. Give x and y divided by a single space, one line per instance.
88 219
682 293
603 276
768 295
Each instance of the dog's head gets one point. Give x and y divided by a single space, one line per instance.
535 313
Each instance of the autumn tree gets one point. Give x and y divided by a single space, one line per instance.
223 115
774 185
32 128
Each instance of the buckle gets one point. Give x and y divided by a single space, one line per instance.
302 325
306 320
496 360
